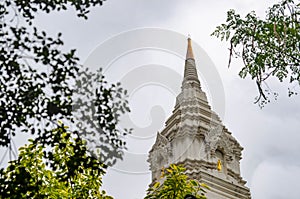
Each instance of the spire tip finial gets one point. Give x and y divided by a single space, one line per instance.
189 53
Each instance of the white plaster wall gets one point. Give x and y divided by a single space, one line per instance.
234 165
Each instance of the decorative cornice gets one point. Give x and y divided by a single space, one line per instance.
193 166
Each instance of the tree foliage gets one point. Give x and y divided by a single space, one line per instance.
75 173
176 185
39 82
97 108
268 48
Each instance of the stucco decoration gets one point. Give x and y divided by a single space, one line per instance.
161 153
215 139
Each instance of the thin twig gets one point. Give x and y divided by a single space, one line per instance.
230 54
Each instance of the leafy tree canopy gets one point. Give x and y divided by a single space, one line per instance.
268 48
40 83
176 185
75 173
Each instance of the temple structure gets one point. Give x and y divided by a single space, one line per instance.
195 137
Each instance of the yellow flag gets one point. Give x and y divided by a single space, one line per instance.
219 165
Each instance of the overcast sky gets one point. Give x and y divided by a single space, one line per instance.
270 136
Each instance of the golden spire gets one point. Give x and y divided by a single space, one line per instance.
190 71
189 53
